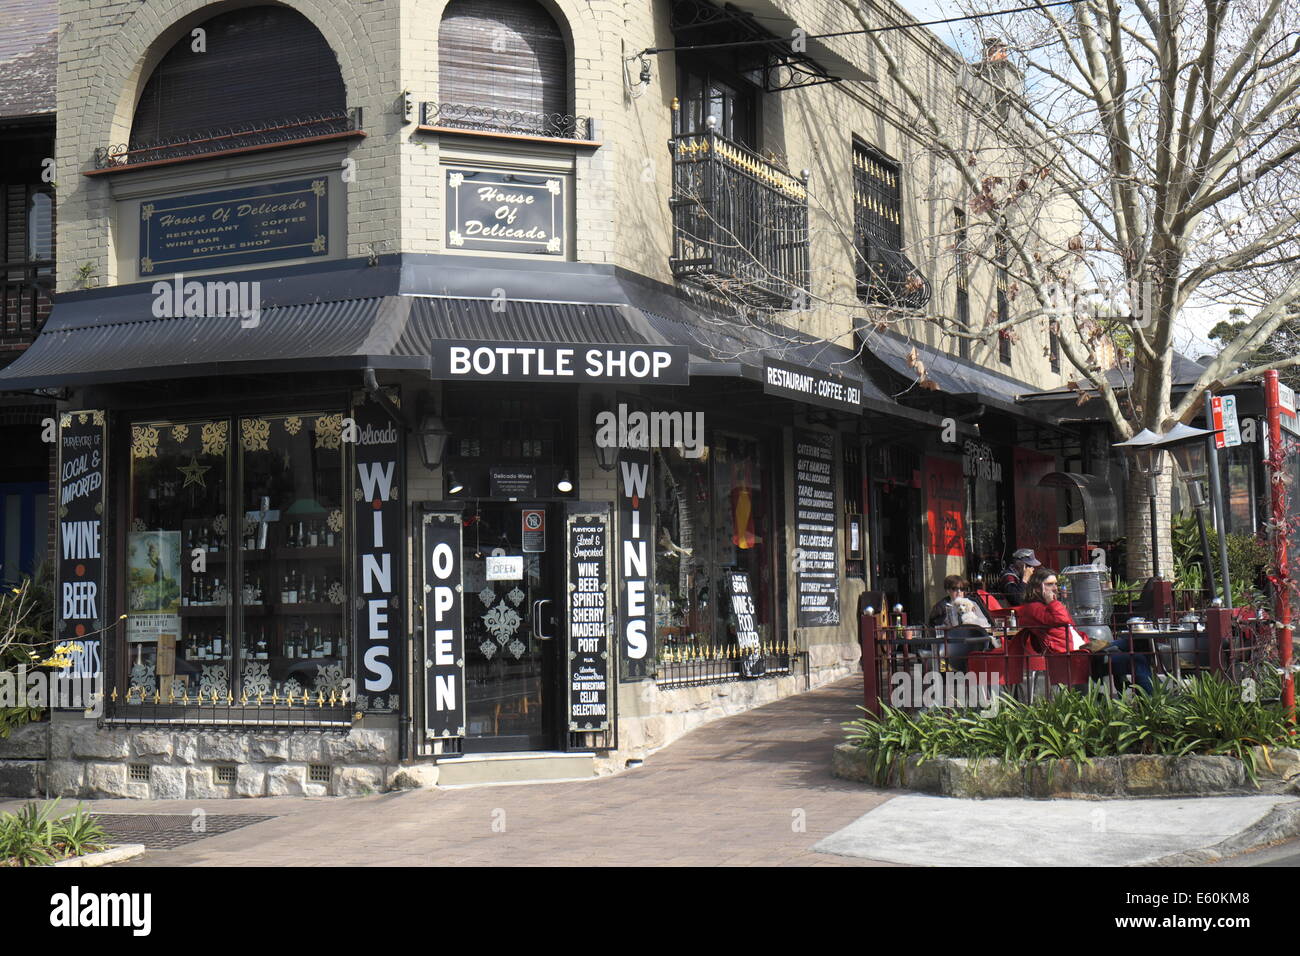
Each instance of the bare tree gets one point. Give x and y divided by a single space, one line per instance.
1171 131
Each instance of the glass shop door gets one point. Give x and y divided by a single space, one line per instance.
513 566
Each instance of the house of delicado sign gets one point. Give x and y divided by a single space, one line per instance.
505 212
227 227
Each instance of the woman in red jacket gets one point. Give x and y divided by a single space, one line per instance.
1048 624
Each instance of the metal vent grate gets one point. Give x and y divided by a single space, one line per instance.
166 831
138 773
223 774
318 773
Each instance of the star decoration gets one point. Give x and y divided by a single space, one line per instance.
194 473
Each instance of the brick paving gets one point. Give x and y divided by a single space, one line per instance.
727 794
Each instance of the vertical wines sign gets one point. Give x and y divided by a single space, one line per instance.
82 470
444 627
635 562
589 622
377 524
817 574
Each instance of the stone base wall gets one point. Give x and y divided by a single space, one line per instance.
651 717
22 760
89 761
1131 775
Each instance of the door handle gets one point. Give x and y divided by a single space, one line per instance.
537 620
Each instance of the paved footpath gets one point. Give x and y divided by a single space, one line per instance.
754 789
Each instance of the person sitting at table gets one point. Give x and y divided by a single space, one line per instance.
1051 631
964 616
962 606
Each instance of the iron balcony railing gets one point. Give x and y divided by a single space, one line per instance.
143 706
26 288
226 139
487 119
887 277
740 222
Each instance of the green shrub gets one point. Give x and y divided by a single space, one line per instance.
37 836
1206 715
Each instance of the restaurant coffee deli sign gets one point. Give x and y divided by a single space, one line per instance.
590 619
505 212
380 552
842 392
444 626
82 469
816 559
229 227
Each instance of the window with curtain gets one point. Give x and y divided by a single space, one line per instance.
503 66
265 74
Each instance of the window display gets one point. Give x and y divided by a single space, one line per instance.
237 596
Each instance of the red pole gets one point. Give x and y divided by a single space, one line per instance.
1282 579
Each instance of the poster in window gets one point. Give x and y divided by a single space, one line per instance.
945 506
153 595
817 569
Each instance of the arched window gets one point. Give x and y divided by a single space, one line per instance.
503 66
256 75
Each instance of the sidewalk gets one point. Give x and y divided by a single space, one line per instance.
749 790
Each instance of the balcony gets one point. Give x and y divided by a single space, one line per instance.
224 141
487 120
740 222
888 278
25 288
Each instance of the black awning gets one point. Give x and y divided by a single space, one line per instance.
78 348
952 376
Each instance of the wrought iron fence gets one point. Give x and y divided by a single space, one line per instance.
225 139
740 222
918 667
142 707
688 666
887 277
26 287
489 119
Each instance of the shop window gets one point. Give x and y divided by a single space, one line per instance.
714 515
962 268
234 558
262 75
27 261
518 432
503 66
730 101
1003 292
885 275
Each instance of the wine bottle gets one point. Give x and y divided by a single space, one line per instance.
314 535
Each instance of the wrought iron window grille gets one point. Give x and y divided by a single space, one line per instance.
227 139
740 222
487 119
885 276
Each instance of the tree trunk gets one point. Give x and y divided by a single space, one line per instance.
1138 524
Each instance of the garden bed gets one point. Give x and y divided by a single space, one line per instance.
1129 775
1205 736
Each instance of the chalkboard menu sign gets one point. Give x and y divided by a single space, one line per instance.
505 212
82 468
227 227
741 611
590 618
444 626
816 561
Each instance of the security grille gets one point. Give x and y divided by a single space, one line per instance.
138 773
223 774
318 773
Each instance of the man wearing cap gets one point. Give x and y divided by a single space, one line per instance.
1016 576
